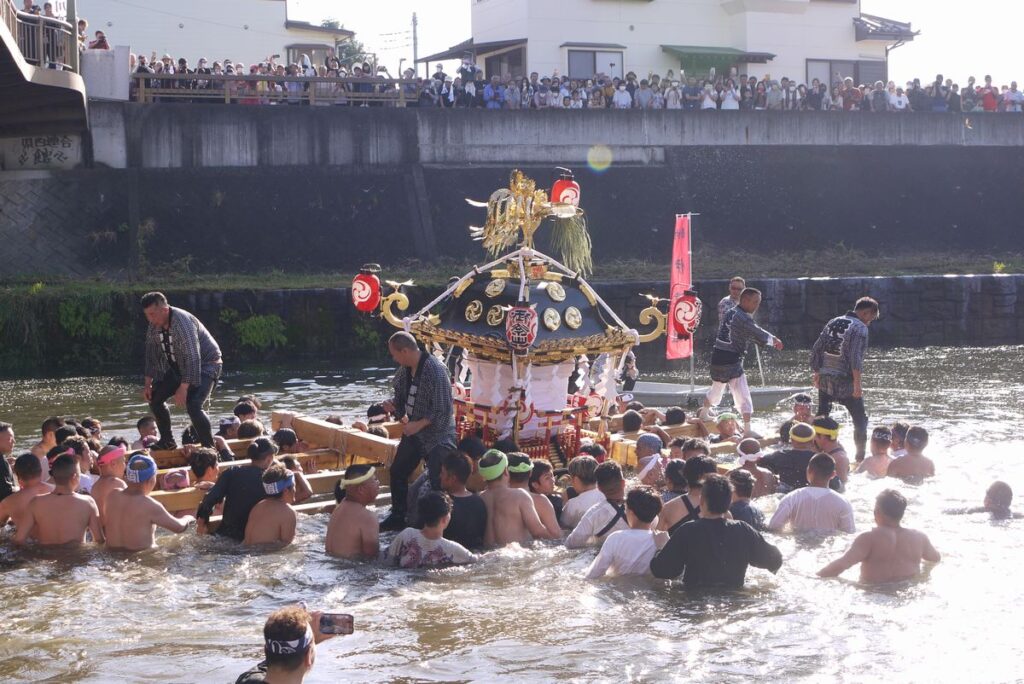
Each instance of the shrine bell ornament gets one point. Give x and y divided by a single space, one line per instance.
521 328
566 190
686 310
366 291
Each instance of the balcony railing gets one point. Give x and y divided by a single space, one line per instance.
264 89
44 41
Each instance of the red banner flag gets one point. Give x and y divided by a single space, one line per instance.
677 347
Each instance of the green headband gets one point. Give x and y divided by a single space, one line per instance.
726 416
521 467
493 472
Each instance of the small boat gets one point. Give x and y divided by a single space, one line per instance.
662 394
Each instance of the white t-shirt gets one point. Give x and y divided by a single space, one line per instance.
813 508
625 552
86 481
574 508
593 521
710 100
898 102
410 549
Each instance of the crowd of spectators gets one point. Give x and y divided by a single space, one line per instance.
354 84
739 92
468 88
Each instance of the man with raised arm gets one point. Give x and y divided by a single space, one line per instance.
423 403
736 331
183 362
888 553
837 359
132 514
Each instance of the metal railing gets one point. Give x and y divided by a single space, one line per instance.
265 89
44 41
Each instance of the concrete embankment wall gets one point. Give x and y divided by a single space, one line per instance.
43 335
245 188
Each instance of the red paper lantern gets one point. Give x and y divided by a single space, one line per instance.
521 328
366 292
686 310
566 190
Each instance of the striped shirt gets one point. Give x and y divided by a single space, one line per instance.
427 394
193 351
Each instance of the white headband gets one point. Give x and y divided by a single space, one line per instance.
750 458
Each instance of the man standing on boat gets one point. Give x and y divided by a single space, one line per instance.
731 300
423 402
183 361
837 358
736 331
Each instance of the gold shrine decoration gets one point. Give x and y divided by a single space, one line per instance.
520 209
397 299
661 319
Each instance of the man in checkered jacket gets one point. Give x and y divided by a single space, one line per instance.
183 361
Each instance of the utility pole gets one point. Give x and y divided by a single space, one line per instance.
416 46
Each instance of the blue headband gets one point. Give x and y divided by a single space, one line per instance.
140 475
275 488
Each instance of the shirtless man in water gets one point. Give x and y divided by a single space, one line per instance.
31 485
131 514
354 531
888 553
915 466
111 463
62 516
511 515
520 467
273 520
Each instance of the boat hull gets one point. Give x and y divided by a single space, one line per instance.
662 394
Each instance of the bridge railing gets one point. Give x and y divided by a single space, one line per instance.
44 41
266 89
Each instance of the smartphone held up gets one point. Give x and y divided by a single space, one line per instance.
336 623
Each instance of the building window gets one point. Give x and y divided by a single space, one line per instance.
584 64
505 64
834 71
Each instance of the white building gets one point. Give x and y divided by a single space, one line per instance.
799 39
244 31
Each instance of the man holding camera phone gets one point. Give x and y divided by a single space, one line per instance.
290 636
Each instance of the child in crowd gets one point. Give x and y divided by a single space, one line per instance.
414 548
147 428
629 552
273 520
130 515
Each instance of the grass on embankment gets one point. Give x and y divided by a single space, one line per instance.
707 264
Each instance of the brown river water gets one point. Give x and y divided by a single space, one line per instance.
192 609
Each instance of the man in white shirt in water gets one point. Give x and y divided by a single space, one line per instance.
815 507
629 552
605 517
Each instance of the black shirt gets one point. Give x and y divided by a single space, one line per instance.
752 515
714 552
241 488
257 675
6 478
469 521
790 465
